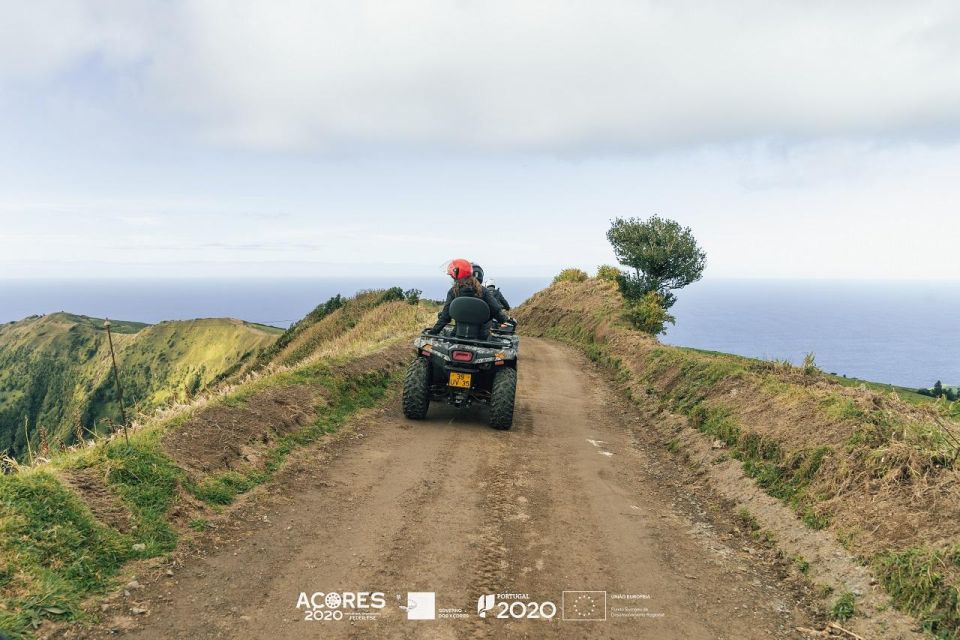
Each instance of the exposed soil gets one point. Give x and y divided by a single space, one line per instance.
580 496
388 358
222 437
225 437
104 504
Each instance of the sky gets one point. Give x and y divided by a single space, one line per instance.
313 138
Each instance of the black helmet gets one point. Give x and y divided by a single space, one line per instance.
478 272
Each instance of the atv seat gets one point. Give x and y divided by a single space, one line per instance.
470 314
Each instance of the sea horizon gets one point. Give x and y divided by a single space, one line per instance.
890 331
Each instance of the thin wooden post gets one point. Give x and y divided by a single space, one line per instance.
116 378
26 434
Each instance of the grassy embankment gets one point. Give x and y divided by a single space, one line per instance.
55 375
68 527
879 471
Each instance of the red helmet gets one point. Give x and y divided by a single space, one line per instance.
458 269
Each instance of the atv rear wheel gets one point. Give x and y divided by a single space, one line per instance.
416 389
502 398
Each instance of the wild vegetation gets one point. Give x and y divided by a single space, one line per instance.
55 380
68 526
571 275
879 471
938 390
662 257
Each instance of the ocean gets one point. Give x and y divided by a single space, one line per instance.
904 333
267 301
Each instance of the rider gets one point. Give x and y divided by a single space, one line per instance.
492 288
466 284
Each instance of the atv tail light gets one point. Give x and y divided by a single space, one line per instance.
462 356
498 359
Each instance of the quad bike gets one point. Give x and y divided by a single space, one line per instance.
461 367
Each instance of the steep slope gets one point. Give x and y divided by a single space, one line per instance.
55 370
878 472
331 319
67 527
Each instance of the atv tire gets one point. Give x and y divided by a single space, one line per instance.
416 389
502 398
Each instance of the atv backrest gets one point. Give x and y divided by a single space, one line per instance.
470 314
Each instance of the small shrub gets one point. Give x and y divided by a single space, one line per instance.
412 295
608 272
843 607
571 275
648 315
810 364
200 524
747 520
391 295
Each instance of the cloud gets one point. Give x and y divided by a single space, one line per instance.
45 37
541 75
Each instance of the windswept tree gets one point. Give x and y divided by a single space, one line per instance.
663 255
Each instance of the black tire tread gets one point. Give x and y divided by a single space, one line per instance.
502 398
416 389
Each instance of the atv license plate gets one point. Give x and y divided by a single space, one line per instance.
461 380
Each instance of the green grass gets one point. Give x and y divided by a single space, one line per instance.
146 480
842 408
53 552
906 393
923 581
199 524
55 370
844 607
221 488
814 520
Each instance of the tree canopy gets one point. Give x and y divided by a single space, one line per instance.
662 254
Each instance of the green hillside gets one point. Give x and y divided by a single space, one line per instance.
55 370
68 525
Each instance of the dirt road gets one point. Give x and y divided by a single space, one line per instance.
574 498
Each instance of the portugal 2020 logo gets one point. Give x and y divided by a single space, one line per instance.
514 606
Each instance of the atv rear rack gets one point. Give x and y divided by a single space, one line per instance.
471 341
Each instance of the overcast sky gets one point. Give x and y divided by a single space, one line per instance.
797 139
